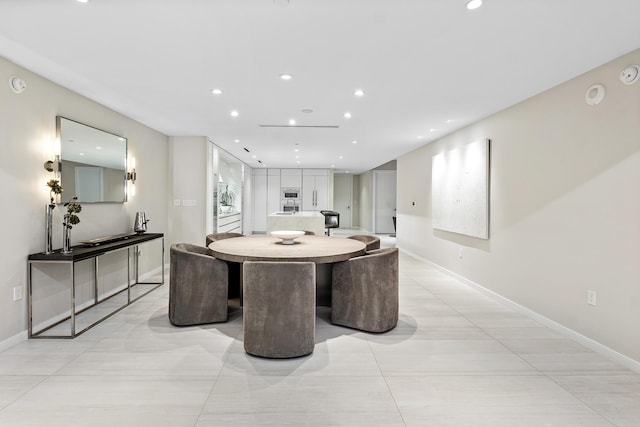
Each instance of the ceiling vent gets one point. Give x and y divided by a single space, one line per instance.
301 126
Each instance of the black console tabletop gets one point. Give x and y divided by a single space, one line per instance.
80 252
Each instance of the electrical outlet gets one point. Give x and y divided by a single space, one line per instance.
591 297
17 293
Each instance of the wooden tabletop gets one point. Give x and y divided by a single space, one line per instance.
318 249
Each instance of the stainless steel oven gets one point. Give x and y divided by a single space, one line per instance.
290 208
290 194
291 200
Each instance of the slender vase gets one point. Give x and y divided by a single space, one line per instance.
66 239
48 229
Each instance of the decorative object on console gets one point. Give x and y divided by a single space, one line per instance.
71 218
55 189
140 224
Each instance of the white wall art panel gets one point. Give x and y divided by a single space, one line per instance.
460 190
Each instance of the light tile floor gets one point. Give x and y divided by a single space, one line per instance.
456 358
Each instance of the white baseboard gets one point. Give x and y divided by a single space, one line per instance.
611 354
24 335
14 340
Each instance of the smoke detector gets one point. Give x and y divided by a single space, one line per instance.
17 84
595 94
630 74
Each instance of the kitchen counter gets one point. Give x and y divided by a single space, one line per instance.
304 221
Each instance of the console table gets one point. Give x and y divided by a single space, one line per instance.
82 253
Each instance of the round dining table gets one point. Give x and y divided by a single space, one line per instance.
322 250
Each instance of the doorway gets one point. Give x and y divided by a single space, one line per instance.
385 201
343 198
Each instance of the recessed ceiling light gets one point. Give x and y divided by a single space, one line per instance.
333 166
432 130
236 140
347 115
297 157
216 91
292 122
420 137
98 148
254 156
83 1
340 157
359 92
354 142
234 113
451 120
474 4
298 162
286 76
346 171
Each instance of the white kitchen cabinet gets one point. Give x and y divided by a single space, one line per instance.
291 178
260 200
274 192
315 190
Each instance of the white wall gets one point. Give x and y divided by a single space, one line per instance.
366 199
189 175
564 211
27 138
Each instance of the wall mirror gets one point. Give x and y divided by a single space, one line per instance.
94 163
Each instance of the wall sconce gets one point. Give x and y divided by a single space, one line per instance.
54 166
132 176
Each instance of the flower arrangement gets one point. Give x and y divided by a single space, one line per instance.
55 189
71 218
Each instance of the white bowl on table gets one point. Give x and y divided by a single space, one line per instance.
287 236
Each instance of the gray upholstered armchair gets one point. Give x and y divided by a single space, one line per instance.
221 236
371 242
364 291
198 286
279 313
